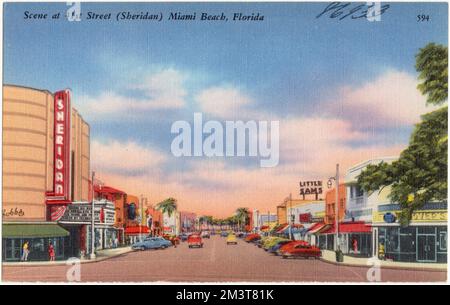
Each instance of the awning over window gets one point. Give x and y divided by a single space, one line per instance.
45 230
137 230
350 227
318 227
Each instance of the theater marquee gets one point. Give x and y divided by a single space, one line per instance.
61 157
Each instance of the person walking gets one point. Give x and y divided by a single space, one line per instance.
51 252
25 251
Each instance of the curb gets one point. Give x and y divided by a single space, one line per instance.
386 267
61 263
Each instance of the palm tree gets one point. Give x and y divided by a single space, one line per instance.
242 216
168 206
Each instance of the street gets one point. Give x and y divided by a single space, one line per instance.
216 261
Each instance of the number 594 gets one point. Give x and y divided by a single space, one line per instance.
423 18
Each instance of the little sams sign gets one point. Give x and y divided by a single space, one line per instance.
310 187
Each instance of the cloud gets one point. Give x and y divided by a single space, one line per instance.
391 100
127 158
223 102
163 90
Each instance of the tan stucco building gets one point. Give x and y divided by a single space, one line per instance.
27 150
28 153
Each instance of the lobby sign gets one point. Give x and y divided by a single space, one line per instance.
61 153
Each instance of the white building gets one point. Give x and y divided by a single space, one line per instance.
172 223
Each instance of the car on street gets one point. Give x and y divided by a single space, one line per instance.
151 243
274 249
303 250
272 242
195 240
231 239
184 236
252 237
205 234
224 234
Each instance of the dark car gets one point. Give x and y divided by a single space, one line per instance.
184 236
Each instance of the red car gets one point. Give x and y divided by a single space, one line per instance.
300 249
195 240
252 237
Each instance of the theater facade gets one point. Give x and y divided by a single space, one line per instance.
46 166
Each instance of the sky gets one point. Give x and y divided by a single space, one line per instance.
343 91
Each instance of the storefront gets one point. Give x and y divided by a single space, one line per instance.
38 235
77 219
424 240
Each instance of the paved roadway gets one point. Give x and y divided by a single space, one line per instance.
215 262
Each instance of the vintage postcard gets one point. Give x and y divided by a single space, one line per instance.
224 142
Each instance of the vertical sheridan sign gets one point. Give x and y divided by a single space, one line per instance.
59 196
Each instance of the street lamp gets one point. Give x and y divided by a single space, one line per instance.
336 216
92 255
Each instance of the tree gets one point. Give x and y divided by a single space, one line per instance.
420 173
168 206
432 65
242 216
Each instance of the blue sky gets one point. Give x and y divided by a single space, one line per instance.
292 67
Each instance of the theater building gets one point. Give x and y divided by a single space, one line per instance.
41 129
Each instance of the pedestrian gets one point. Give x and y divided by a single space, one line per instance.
25 251
116 242
51 252
381 252
355 245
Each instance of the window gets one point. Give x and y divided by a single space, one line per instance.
443 241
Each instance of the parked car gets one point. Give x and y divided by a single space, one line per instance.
184 236
151 243
252 237
304 250
275 248
195 240
231 239
224 234
205 234
274 241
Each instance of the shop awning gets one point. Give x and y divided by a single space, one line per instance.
295 228
350 227
46 230
317 227
136 230
281 228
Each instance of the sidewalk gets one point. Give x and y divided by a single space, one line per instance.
101 256
330 257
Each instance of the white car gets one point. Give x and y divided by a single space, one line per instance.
205 234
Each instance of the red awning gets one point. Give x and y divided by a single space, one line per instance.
282 228
350 227
136 230
317 227
264 227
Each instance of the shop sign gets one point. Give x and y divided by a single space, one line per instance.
310 187
418 216
305 218
13 212
389 218
61 150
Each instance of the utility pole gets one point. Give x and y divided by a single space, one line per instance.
290 216
92 255
337 246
